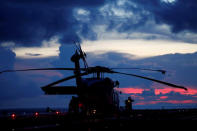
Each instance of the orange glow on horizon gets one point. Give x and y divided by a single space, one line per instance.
137 97
163 97
167 101
165 90
158 91
130 90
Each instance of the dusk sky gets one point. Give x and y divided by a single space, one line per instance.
155 34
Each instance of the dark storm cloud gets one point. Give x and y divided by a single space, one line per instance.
59 3
178 14
158 19
31 22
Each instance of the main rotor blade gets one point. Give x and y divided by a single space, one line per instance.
65 79
162 71
36 69
151 79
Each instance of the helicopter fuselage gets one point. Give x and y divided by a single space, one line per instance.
95 96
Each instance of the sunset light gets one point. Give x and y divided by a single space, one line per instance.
138 49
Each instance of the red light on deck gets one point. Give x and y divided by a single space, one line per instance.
57 112
80 105
36 114
13 116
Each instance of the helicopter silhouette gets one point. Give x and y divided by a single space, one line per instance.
95 94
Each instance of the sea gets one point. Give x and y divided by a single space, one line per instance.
30 111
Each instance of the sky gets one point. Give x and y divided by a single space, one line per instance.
155 34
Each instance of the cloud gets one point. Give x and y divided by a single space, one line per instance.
130 90
30 22
166 90
47 49
30 54
178 14
167 98
132 20
139 49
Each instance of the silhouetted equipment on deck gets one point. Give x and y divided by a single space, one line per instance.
128 104
96 94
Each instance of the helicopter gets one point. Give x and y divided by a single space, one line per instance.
96 94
